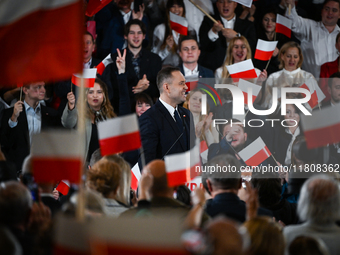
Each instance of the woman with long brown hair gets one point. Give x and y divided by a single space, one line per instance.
98 108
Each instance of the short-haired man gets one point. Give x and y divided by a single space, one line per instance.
333 89
26 118
141 66
319 209
224 187
317 38
189 53
165 128
214 37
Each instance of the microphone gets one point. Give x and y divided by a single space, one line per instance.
179 137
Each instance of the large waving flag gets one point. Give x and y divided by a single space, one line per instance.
36 42
138 235
181 167
316 95
255 153
322 127
102 65
56 156
264 50
244 85
179 24
242 70
95 6
89 76
119 135
283 25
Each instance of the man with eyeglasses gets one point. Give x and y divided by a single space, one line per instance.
215 37
317 38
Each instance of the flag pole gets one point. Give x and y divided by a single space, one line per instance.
71 85
202 10
289 9
80 210
20 93
142 156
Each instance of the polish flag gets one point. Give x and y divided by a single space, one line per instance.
181 167
244 70
179 24
191 82
119 135
56 156
322 127
71 237
95 6
20 84
36 42
102 65
315 94
89 75
137 235
63 187
283 25
244 86
135 176
264 50
255 153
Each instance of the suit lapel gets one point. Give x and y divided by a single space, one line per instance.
171 122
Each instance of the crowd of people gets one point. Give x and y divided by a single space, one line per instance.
166 79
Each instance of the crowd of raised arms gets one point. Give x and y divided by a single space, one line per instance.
167 78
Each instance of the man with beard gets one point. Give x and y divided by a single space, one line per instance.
141 67
234 140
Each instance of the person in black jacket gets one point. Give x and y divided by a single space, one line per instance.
214 37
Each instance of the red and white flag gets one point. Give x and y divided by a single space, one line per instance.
244 86
244 70
95 6
191 82
89 75
255 153
182 167
179 24
322 127
102 65
135 176
56 156
137 235
45 52
119 135
316 95
264 50
71 237
63 187
283 25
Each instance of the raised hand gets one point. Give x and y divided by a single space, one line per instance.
71 100
142 85
138 15
120 61
18 107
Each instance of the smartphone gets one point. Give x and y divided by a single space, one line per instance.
137 3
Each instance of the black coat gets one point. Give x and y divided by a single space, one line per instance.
213 53
15 142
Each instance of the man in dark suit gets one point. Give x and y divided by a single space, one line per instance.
189 52
224 186
141 67
23 120
165 128
214 37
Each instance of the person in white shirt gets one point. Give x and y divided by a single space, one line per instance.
317 38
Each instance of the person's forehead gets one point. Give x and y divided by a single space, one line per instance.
189 43
135 28
335 81
332 4
87 38
239 42
178 76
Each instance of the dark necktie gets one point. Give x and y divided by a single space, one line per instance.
178 121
